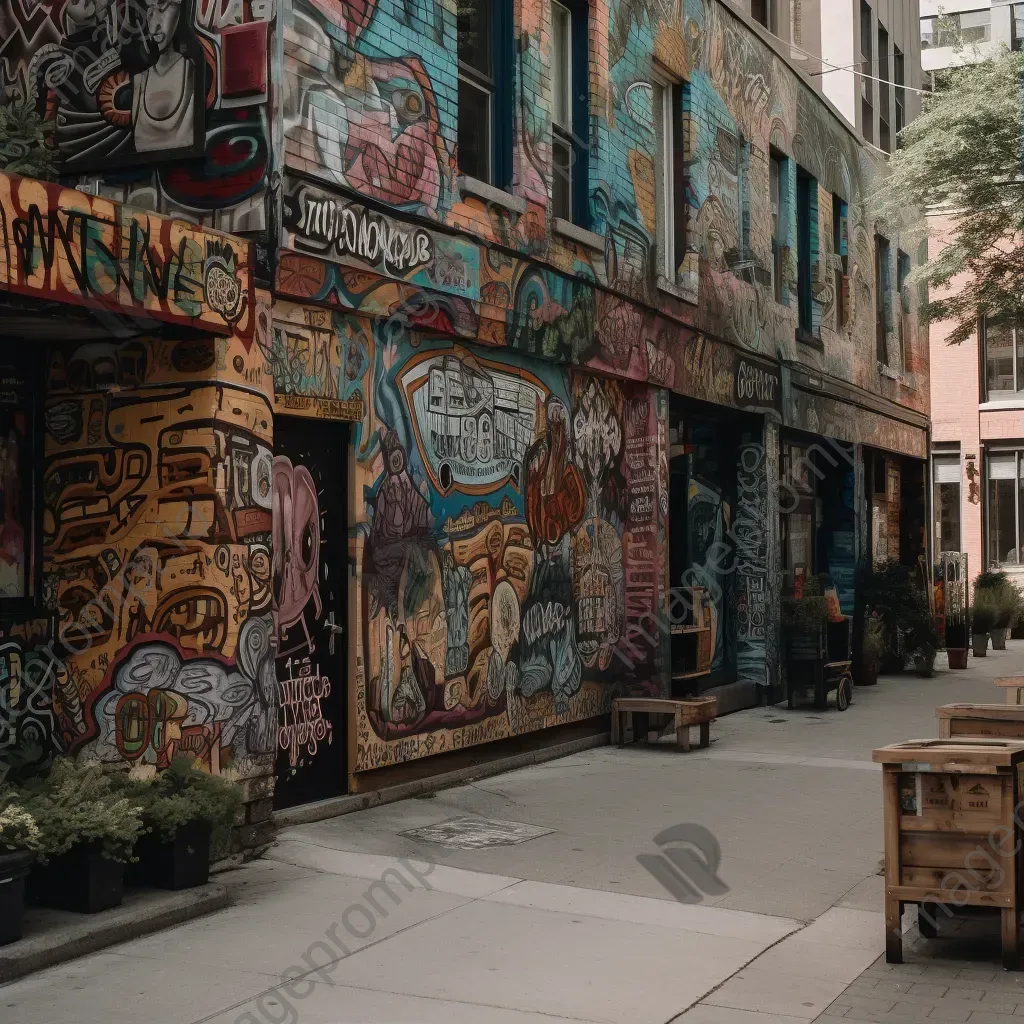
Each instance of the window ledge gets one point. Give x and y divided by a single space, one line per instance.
808 339
491 194
1002 403
566 228
673 289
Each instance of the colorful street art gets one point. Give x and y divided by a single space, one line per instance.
61 245
148 94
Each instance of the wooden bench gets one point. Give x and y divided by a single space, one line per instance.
700 711
1013 686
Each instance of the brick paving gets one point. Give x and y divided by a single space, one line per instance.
956 978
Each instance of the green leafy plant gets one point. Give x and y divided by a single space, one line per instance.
82 801
984 611
873 644
182 793
18 829
24 143
991 579
892 591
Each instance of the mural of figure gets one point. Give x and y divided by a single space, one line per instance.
555 499
164 95
296 557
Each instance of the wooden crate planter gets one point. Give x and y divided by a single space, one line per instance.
1004 721
686 713
950 832
1013 687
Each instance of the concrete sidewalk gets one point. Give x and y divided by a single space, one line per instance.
354 920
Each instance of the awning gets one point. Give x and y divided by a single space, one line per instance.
59 245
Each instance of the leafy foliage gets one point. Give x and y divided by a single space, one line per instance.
79 801
963 155
24 147
892 592
18 829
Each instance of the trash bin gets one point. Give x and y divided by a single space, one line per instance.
951 833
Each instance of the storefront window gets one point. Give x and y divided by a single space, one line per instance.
946 502
17 426
798 506
1002 496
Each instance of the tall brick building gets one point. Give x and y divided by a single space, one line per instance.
573 346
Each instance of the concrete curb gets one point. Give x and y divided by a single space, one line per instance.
65 936
337 805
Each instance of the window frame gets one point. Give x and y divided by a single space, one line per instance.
778 159
841 249
1018 455
883 297
806 195
1016 335
899 77
903 269
574 138
497 88
884 88
770 19
1016 27
670 173
955 16
867 84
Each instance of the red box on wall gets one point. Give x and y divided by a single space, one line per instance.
244 59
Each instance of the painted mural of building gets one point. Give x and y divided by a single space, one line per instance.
576 333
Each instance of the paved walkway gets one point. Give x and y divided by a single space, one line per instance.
355 920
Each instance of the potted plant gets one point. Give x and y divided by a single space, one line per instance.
19 838
994 586
87 828
983 617
185 812
1008 610
957 631
872 650
892 590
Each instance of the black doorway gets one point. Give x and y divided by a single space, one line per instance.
310 608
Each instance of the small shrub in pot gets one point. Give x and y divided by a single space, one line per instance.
19 838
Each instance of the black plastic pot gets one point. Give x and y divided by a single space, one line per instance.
14 868
179 863
81 879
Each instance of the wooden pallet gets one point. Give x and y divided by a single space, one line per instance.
686 713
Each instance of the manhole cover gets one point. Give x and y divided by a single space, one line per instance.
473 833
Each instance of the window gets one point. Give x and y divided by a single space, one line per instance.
19 563
806 227
946 501
1003 507
899 72
670 175
777 183
763 12
841 248
1016 26
867 67
1004 359
884 88
485 116
952 29
571 121
883 299
902 274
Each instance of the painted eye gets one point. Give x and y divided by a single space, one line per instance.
307 546
407 103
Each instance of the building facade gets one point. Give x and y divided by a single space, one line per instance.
577 341
977 389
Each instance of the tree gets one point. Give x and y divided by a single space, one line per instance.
963 156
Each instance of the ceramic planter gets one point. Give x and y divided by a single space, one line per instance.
179 863
868 675
999 638
81 879
979 644
957 657
14 868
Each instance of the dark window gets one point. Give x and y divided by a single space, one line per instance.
670 99
899 72
485 66
571 121
777 181
806 223
884 88
902 274
19 488
954 29
867 85
946 501
1003 471
883 300
763 12
1016 26
841 248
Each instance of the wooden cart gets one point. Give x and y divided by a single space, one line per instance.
818 661
1005 721
950 833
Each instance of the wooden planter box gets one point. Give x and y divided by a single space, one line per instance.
1005 721
950 833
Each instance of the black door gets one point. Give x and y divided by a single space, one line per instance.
310 592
